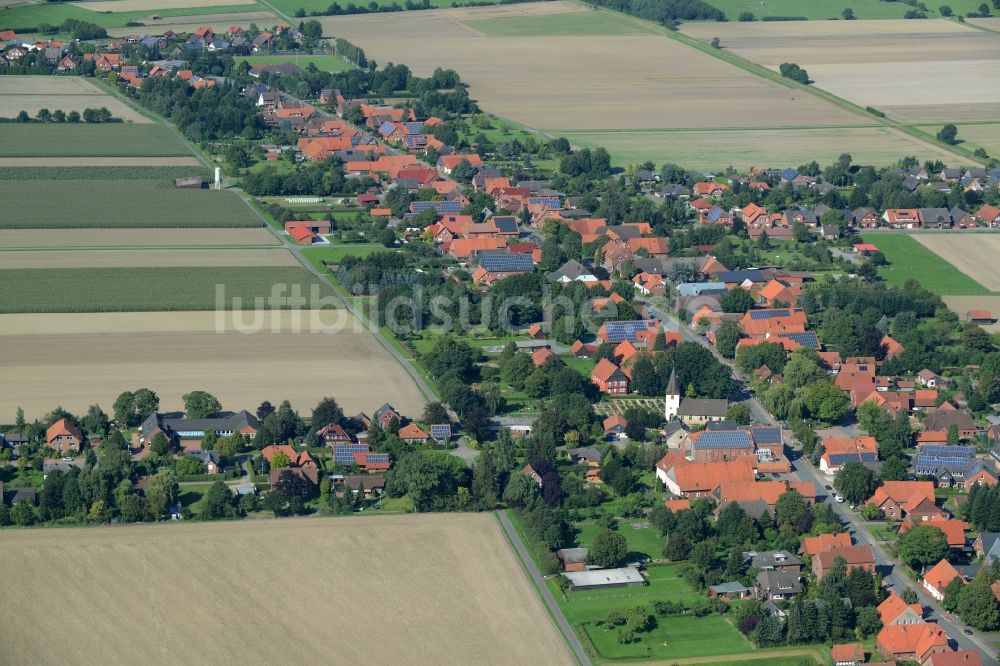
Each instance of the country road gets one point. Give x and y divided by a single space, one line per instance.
538 581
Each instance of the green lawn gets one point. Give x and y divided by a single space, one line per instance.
819 9
589 22
142 289
192 495
645 541
675 637
335 253
581 365
83 140
324 63
63 204
24 18
909 259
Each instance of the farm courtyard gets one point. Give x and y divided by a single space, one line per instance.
599 77
427 589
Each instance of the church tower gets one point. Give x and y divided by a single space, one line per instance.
673 400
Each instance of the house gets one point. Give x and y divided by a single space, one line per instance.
911 642
938 577
928 378
812 546
699 411
587 455
573 559
838 451
954 530
687 479
413 434
333 435
777 585
774 560
370 461
64 437
957 658
609 378
946 416
984 317
571 271
947 464
386 414
541 356
370 485
897 499
856 557
729 591
615 426
210 459
847 654
979 473
896 611
987 546
530 470
989 215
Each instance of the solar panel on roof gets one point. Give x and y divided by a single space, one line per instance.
442 431
378 457
950 451
344 454
618 331
805 338
768 314
723 439
506 225
507 263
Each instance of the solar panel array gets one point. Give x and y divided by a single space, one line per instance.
344 454
551 202
414 128
506 224
766 435
377 458
618 331
439 206
947 451
863 456
805 338
507 263
442 431
768 314
724 439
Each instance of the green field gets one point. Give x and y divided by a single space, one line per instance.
594 22
335 253
25 18
324 63
822 9
162 173
141 289
909 260
63 204
82 140
645 541
974 135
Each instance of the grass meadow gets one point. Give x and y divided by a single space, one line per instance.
291 6
324 63
819 10
69 204
83 140
145 289
25 18
909 260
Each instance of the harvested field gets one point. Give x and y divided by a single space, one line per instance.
144 5
960 305
31 93
575 23
93 357
427 565
706 149
975 135
72 140
148 289
74 258
890 65
678 87
132 238
973 254
51 204
24 18
97 161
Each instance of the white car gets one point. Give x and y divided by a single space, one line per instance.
838 499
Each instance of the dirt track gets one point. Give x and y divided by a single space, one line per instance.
412 589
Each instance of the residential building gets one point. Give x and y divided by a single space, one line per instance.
729 591
684 478
911 642
898 499
774 560
64 437
813 546
957 658
896 611
777 585
609 378
856 557
938 577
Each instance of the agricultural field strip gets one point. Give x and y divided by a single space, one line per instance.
129 258
146 5
21 162
82 140
354 560
31 93
962 304
974 255
133 239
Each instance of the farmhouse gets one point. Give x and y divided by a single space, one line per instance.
609 378
938 577
684 478
896 611
912 642
64 437
910 499
856 557
812 546
175 426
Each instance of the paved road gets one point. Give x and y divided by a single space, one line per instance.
538 581
887 565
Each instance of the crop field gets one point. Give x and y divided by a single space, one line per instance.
72 140
706 149
25 17
165 173
592 81
31 93
126 258
819 10
910 260
915 71
975 135
93 357
131 289
575 23
20 164
48 204
45 239
356 563
192 20
325 63
973 254
289 7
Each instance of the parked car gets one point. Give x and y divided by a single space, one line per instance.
828 487
967 631
838 499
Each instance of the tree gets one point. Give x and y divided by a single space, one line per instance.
738 413
791 509
200 405
736 300
848 14
978 605
161 492
952 437
678 547
945 10
947 134
610 548
855 482
953 594
160 445
727 337
327 412
280 460
218 502
923 545
23 514
867 621
124 408
96 421
435 413
146 402
716 44
189 465
264 410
